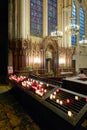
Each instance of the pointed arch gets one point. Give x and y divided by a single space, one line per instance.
49 41
50 46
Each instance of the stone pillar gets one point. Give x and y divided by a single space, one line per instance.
10 30
43 60
68 41
77 65
22 18
16 19
45 18
27 19
59 20
64 22
10 24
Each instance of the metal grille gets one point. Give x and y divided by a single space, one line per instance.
72 105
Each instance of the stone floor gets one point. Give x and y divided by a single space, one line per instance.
12 115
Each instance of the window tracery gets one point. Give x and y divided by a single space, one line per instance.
82 23
52 15
36 17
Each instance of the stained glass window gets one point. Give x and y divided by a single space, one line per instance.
36 17
74 21
82 23
52 15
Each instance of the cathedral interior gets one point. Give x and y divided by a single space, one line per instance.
42 54
45 36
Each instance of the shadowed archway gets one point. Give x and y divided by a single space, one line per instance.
50 54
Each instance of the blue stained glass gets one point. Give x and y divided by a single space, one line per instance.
52 15
74 14
36 17
82 23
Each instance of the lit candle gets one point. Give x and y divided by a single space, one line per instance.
69 113
76 97
57 90
54 96
61 102
68 101
57 100
45 90
86 99
54 93
51 96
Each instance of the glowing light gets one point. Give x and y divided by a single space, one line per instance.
51 96
37 60
39 92
45 90
61 102
18 79
57 100
54 96
68 101
36 81
69 113
47 85
83 41
57 90
54 93
62 60
76 98
86 99
57 34
72 29
42 89
41 83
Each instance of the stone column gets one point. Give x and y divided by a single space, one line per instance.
16 19
41 57
64 22
10 24
59 19
22 18
27 19
45 18
69 22
10 31
44 59
77 47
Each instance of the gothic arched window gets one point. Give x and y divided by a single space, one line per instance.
36 17
52 15
82 23
74 21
